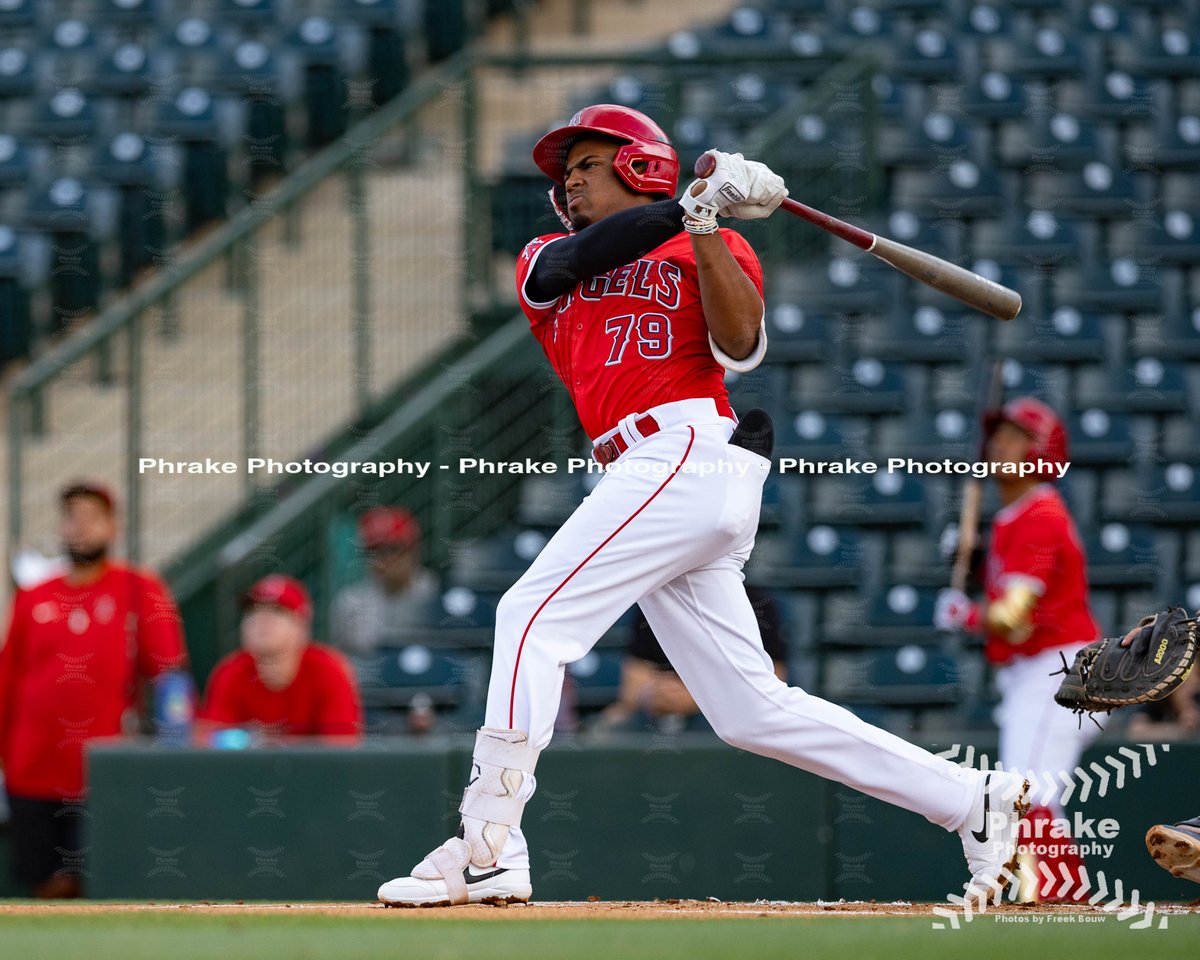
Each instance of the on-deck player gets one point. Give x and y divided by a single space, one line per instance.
640 307
1036 611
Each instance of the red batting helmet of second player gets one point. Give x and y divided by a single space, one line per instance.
1041 424
643 143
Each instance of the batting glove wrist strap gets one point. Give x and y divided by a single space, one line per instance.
699 215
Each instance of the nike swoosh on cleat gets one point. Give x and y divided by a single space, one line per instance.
470 877
982 835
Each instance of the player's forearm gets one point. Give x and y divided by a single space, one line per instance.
733 308
616 240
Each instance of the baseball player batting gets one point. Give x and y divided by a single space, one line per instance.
641 305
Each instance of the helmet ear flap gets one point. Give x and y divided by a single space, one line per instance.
558 200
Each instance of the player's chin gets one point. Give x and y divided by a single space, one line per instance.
579 221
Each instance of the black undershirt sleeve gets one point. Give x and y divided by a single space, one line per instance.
618 239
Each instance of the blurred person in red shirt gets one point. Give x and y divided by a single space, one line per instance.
282 681
1034 614
78 650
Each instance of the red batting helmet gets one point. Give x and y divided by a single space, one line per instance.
643 141
1041 424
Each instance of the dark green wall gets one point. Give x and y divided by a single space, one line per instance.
635 819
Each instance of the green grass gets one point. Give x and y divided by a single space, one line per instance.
294 935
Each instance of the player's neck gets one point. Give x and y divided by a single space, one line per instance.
1011 492
85 574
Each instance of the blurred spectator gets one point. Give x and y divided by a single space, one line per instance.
79 647
1176 717
651 691
375 611
282 681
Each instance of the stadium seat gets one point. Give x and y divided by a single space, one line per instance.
249 13
1171 52
765 386
142 14
1181 439
393 677
1149 386
933 140
1171 144
193 118
194 48
1119 284
72 49
962 189
1067 335
1033 379
814 434
18 14
1158 494
1173 238
945 434
994 95
315 39
746 98
867 385
127 162
1120 555
251 73
1100 437
67 116
794 333
925 334
16 322
1095 190
597 677
822 557
1113 95
547 501
915 557
1037 237
910 676
497 562
886 499
66 210
1049 141
853 283
460 617
1043 53
446 28
930 55
125 71
17 76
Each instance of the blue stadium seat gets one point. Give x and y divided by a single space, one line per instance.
72 48
494 563
1158 494
983 20
1172 52
315 39
1120 284
393 677
18 15
994 95
597 677
794 333
1067 335
766 386
853 283
1181 439
1044 53
1171 144
930 55
547 501
192 117
1100 437
65 209
1049 141
17 76
67 116
962 189
910 676
747 97
127 162
1121 555
1095 190
945 434
882 500
1117 96
925 334
933 140
250 13
460 617
937 235
194 48
1150 385
1035 379
1102 19
821 557
816 434
747 31
915 557
1173 239
867 386
125 71
1037 237
16 320
128 14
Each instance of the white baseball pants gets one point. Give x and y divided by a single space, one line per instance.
1036 734
669 527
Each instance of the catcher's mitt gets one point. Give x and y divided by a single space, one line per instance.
1106 675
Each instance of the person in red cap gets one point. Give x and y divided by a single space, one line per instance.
375 611
281 680
79 648
1035 612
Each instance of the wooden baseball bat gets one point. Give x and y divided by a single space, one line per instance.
972 499
975 291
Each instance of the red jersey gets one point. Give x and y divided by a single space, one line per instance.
635 337
321 701
71 667
1034 542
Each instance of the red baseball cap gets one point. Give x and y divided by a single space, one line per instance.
89 487
278 590
385 526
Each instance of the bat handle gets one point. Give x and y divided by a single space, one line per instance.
706 163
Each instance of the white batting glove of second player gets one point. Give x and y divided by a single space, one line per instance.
954 610
737 187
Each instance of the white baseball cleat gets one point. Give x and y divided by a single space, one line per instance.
448 878
989 835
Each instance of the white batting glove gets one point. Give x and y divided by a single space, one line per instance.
737 187
954 610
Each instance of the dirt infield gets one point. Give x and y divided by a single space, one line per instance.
656 909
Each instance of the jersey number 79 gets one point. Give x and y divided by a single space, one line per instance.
653 336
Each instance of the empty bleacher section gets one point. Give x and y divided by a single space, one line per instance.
1052 147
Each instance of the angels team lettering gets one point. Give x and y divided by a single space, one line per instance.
655 280
653 336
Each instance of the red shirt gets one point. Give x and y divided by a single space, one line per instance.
321 701
1034 541
635 337
71 667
